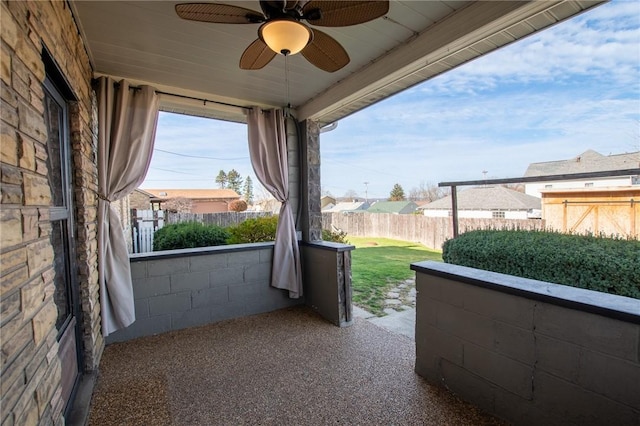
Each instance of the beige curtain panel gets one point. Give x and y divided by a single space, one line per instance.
127 121
268 151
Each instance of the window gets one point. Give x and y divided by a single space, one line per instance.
497 214
60 177
635 180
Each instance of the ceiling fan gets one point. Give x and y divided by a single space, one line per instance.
282 30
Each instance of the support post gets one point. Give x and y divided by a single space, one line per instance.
311 220
454 210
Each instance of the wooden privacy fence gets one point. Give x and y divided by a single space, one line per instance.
430 231
222 219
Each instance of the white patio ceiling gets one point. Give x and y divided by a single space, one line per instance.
146 42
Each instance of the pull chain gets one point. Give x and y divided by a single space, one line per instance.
286 82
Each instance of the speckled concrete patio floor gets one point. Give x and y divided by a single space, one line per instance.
288 367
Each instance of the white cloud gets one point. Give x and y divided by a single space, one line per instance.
601 41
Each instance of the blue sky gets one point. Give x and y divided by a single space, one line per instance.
552 96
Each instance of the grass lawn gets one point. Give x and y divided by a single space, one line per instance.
378 264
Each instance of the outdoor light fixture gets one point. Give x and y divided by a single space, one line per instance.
285 36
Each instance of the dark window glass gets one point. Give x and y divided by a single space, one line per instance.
55 129
62 294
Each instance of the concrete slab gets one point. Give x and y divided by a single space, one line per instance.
401 323
361 313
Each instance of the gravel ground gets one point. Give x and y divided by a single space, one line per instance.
287 367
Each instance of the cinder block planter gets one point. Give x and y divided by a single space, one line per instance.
528 351
176 289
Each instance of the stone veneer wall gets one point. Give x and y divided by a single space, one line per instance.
310 174
528 351
176 289
30 375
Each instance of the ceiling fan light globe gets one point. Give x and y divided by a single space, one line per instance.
285 35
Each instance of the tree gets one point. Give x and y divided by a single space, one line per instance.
178 205
520 187
238 206
427 192
248 190
397 193
222 179
234 181
351 194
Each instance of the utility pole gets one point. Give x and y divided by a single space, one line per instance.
366 192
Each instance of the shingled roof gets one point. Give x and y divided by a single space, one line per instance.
194 194
349 207
487 198
588 161
400 207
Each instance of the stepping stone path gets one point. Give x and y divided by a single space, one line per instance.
401 297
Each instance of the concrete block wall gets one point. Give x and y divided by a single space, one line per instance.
327 280
185 288
527 351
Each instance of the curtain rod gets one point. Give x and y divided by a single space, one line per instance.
203 100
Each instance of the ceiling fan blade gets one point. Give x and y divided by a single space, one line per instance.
256 56
218 13
291 4
344 13
325 52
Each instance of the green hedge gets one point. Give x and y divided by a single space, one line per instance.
189 235
603 264
256 230
334 236
194 234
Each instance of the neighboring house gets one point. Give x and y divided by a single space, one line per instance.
140 199
327 202
588 161
203 200
395 207
422 203
346 207
495 202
